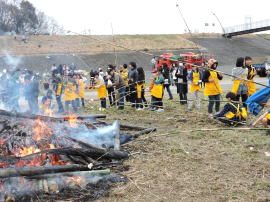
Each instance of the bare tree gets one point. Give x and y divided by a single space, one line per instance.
22 17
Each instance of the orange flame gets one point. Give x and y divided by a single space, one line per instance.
27 151
77 179
41 130
72 119
48 112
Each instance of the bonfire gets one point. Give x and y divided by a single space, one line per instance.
46 154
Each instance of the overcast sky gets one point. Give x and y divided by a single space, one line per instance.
151 16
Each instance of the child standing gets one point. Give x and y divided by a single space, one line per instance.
195 78
140 88
101 90
157 91
46 103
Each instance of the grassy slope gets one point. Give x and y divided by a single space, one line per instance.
84 44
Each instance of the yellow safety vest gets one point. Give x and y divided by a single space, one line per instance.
250 84
70 91
81 89
240 113
124 75
59 88
212 88
196 79
268 116
157 90
102 91
139 90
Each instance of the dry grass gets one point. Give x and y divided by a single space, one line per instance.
201 166
266 36
84 44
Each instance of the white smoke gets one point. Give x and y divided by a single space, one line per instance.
104 136
12 62
20 186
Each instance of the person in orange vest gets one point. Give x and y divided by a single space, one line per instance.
195 78
212 86
101 90
157 91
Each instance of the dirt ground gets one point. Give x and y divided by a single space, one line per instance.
169 165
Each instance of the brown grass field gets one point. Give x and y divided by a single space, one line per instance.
169 165
85 44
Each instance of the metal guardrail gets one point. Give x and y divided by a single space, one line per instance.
247 26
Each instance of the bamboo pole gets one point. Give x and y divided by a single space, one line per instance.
218 129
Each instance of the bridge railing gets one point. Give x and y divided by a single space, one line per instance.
247 26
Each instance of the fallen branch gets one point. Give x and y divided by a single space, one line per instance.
127 127
138 134
92 153
48 118
143 132
83 144
31 171
72 174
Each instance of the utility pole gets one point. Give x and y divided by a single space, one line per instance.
182 16
115 61
220 24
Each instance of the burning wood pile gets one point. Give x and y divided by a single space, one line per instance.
45 154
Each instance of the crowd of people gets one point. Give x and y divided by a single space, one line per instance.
126 85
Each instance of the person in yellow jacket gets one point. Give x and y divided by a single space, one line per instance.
124 75
157 91
70 93
212 86
251 74
101 90
195 78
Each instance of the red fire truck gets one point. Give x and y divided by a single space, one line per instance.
191 58
188 58
167 58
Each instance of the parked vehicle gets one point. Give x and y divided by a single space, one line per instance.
261 64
